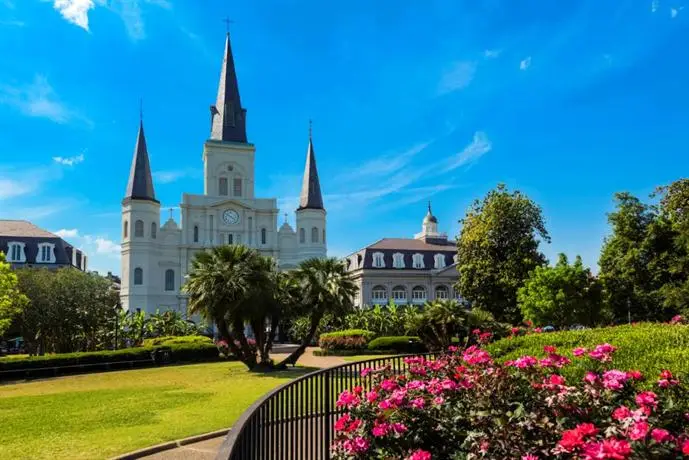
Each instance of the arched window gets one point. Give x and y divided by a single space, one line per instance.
398 260
196 233
399 294
237 186
125 229
302 235
441 292
264 237
418 261
314 235
439 260
323 236
46 253
378 260
16 252
418 294
154 230
379 294
138 276
139 228
169 280
222 186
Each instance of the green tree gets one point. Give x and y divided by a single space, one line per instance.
561 295
12 301
497 249
325 287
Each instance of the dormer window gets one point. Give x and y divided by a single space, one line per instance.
378 260
418 260
398 260
15 252
439 260
46 253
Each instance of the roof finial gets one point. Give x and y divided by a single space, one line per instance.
227 22
310 128
171 210
429 207
286 217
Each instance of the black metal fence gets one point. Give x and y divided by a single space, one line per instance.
296 420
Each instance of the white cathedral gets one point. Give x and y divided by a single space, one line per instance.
155 258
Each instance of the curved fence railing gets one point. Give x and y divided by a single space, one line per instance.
296 420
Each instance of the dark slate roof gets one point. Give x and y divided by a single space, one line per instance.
408 247
311 197
140 186
21 231
412 244
227 115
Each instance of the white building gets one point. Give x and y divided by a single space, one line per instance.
155 258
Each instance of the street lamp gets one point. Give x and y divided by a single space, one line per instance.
118 309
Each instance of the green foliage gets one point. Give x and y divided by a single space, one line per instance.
497 249
12 301
561 295
398 344
388 319
644 264
648 347
170 323
175 340
68 310
185 352
351 339
349 333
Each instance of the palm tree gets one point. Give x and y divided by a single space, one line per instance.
231 285
326 287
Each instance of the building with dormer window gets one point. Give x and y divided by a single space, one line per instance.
406 270
156 258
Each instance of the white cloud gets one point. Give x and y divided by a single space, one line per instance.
655 4
90 243
12 23
75 11
525 64
675 11
37 99
10 188
69 161
105 246
65 233
479 146
385 164
492 54
459 76
169 176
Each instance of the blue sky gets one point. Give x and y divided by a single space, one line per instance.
568 102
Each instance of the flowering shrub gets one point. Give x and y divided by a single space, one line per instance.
464 405
224 348
350 339
679 319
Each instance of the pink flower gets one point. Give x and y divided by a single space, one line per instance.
371 396
438 400
365 371
660 435
614 379
347 399
549 349
380 429
676 319
360 444
638 431
342 422
537 330
685 447
474 355
529 457
635 375
388 385
476 331
420 454
416 385
524 362
579 351
417 403
602 353
617 449
646 398
399 427
515 330
556 379
572 439
621 413
591 378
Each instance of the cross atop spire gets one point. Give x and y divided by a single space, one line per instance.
228 118
227 22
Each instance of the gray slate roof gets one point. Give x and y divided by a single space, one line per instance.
228 116
22 231
408 247
311 197
140 185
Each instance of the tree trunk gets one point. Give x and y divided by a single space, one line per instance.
294 356
248 356
274 321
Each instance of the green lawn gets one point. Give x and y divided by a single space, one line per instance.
101 415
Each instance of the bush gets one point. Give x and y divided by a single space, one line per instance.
189 352
350 339
399 344
463 405
173 340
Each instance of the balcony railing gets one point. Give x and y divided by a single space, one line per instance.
296 420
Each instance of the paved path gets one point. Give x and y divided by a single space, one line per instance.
207 450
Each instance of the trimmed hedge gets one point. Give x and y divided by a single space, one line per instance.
190 352
350 339
168 340
352 352
397 344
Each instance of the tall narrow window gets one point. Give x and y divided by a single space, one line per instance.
314 235
125 229
263 236
154 230
229 238
169 280
212 230
139 229
250 222
418 261
323 236
439 260
138 276
45 253
237 186
222 186
15 252
378 260
302 235
398 260
196 233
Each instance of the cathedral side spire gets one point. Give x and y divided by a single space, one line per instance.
140 185
228 118
311 197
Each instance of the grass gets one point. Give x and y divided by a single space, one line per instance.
101 415
648 347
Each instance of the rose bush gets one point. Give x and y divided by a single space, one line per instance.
464 405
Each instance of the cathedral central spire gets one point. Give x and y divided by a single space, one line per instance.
228 118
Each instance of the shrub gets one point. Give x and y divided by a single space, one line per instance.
399 344
173 340
350 339
463 405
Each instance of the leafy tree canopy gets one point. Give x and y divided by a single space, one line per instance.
12 301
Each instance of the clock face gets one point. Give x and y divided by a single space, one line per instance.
230 217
